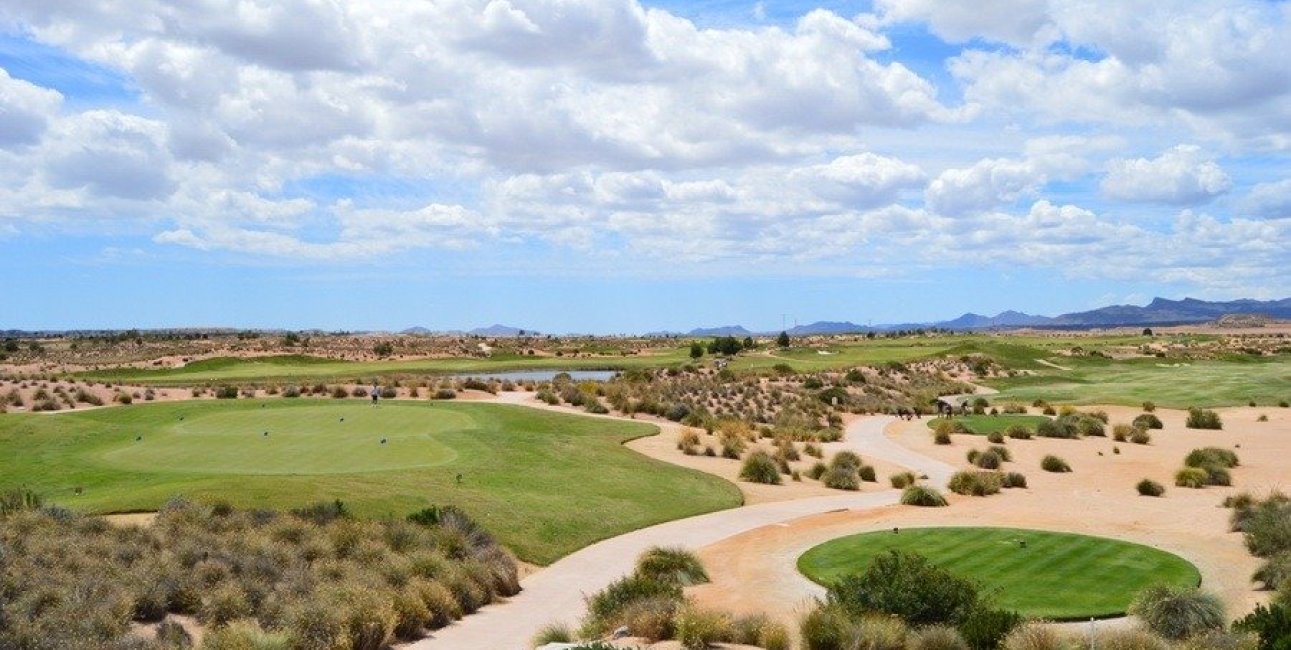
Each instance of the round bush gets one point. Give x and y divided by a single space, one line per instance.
988 459
846 459
1053 463
1211 457
1140 436
760 467
1176 613
866 472
841 478
1191 477
995 437
978 484
1148 421
922 496
1150 488
1014 480
901 480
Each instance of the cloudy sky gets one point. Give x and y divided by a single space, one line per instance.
625 166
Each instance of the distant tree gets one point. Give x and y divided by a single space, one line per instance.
727 345
696 349
291 339
383 349
782 340
748 343
1147 331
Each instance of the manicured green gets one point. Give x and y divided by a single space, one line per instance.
984 424
545 483
300 368
1174 384
1055 576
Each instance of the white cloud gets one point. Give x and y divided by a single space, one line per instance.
1183 175
1019 22
1270 200
25 110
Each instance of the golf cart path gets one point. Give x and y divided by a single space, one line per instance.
555 594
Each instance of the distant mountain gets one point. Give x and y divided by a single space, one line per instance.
827 327
725 330
1162 311
971 321
416 331
501 331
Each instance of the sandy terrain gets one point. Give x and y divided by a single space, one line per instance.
755 571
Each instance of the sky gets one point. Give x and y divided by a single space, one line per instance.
625 166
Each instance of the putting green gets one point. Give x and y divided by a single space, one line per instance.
330 438
544 483
1055 576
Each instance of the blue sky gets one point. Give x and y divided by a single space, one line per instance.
615 166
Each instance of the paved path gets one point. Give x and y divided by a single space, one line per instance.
556 592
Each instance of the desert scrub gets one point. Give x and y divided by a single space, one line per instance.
671 564
1199 418
1149 488
1053 463
923 496
842 477
1140 436
901 480
977 484
1018 432
1191 477
1178 614
252 577
1211 457
1011 480
760 467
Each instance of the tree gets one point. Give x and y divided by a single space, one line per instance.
782 340
1147 331
383 349
696 349
906 585
727 345
748 343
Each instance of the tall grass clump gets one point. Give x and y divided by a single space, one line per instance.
1178 613
671 564
923 496
1199 418
977 484
1053 463
760 467
1191 477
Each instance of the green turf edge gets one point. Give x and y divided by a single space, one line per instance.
1055 619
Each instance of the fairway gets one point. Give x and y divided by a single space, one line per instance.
984 424
1055 576
545 483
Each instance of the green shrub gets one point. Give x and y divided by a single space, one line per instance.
1177 613
1018 432
1037 636
846 459
988 459
881 633
316 625
941 438
225 603
978 484
1211 457
1191 477
908 586
841 478
937 637
1053 463
867 474
901 480
1140 436
1275 572
817 470
827 627
983 628
760 467
697 628
605 604
922 495
1148 421
995 437
1130 638
1013 480
445 393
671 564
553 633
1199 418
226 392
1150 488
1218 476
1121 432
652 618
1271 623
1266 526
245 635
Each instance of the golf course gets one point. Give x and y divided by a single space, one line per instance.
544 483
1053 576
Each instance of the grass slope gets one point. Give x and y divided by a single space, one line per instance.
545 483
984 424
300 368
1057 576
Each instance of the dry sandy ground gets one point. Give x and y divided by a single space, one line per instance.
755 571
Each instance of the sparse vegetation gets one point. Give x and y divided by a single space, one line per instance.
1051 463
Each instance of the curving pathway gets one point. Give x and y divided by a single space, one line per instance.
556 592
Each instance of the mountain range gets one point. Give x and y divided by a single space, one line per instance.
1160 311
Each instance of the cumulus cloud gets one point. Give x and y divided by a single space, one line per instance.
1018 22
1270 200
25 110
1183 175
